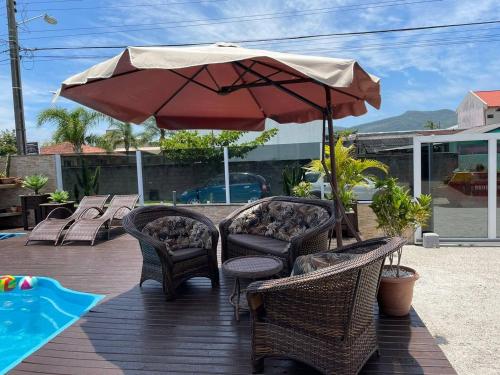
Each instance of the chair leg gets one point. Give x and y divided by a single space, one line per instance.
257 366
168 289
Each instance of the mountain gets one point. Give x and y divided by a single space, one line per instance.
410 120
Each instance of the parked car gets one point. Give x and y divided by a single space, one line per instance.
243 187
361 192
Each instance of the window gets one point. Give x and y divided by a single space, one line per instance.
490 116
497 110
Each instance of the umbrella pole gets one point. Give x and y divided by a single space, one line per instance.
333 177
340 213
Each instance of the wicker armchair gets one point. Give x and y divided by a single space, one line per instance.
312 240
324 318
165 264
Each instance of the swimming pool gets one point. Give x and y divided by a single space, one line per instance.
31 318
4 236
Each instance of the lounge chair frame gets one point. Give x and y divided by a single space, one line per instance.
87 229
51 228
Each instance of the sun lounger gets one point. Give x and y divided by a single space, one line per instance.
51 228
86 229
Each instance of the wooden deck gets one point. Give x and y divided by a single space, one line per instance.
135 331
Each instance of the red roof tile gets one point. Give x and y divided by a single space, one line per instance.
67 148
491 98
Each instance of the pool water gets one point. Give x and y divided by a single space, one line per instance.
31 318
4 236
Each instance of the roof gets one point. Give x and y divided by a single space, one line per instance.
490 98
67 148
481 129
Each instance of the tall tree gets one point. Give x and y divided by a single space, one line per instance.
122 133
189 146
72 126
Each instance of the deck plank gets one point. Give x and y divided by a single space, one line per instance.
135 331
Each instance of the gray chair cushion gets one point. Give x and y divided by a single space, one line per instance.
280 220
179 232
180 255
312 262
263 244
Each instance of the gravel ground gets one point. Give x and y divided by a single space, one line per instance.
458 298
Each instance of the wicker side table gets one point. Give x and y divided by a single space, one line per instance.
252 267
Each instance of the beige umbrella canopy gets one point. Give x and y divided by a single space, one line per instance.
221 87
224 86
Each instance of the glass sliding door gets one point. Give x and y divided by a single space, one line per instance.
456 175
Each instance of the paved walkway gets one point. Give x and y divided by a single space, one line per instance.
458 298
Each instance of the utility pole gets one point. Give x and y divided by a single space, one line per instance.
15 68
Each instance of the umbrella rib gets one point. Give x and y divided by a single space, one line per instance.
102 79
281 87
242 74
192 80
312 80
250 92
212 77
261 83
188 80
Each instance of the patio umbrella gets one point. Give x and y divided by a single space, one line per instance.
224 86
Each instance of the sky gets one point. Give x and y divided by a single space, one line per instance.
425 70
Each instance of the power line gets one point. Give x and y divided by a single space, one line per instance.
128 6
299 37
419 43
47 2
290 13
328 40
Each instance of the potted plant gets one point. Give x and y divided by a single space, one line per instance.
35 183
33 201
398 214
351 172
57 199
59 196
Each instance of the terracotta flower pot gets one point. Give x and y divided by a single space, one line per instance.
396 293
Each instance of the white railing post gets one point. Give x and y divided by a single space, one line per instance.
140 183
59 179
226 175
417 176
492 188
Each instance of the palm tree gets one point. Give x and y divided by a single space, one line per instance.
73 126
431 125
351 172
152 133
122 133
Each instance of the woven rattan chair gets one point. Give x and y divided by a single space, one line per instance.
167 266
324 318
313 240
51 228
87 229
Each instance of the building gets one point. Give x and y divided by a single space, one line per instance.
479 108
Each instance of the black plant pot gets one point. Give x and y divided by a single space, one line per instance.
32 202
